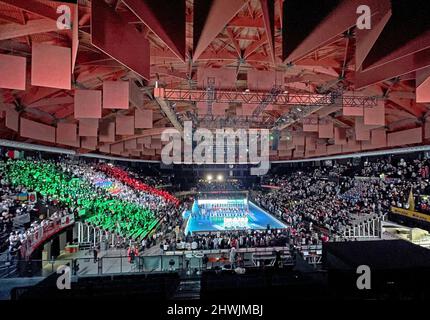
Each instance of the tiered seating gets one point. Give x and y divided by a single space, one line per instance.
95 205
124 177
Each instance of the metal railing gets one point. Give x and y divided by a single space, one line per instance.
187 262
31 268
44 232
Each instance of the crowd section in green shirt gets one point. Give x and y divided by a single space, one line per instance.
94 205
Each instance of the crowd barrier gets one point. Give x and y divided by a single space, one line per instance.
43 233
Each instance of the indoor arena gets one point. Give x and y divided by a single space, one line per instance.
185 152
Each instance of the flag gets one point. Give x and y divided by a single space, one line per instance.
32 197
411 201
23 196
14 154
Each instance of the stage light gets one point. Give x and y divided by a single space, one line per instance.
220 177
209 177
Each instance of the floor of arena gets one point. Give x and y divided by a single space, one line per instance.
258 219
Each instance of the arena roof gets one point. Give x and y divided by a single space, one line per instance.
302 69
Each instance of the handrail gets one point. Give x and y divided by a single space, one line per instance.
44 233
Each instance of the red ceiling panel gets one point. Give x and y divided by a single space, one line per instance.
299 140
310 123
298 154
300 148
135 153
379 138
248 109
155 143
88 104
404 137
202 108
12 71
362 133
283 144
166 19
116 94
12 120
146 141
136 95
107 131
325 129
427 129
222 78
148 152
284 153
51 66
66 132
104 148
352 146
218 109
37 131
117 148
353 111
143 119
239 110
130 144
89 143
310 143
125 125
321 150
290 145
375 115
210 18
115 36
309 153
88 127
261 80
334 149
340 136
423 91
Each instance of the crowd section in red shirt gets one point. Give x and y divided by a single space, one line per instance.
124 177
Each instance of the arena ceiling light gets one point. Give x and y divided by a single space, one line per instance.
220 177
209 177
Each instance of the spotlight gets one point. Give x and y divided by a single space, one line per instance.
220 177
209 177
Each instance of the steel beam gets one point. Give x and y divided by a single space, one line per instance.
311 24
400 37
222 96
113 35
34 7
210 22
166 108
165 18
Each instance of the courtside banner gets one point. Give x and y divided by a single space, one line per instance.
270 187
411 214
